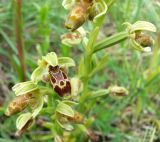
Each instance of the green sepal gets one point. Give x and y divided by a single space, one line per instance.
66 62
65 109
22 120
24 87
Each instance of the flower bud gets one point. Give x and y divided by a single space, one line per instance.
78 15
20 103
118 91
139 40
59 80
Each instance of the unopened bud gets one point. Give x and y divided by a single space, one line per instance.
118 91
19 103
78 15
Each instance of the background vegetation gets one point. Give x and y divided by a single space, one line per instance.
135 118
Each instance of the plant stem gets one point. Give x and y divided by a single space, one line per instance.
19 39
88 60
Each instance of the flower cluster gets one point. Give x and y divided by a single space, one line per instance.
30 94
80 12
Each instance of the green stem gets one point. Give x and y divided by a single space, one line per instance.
110 41
88 60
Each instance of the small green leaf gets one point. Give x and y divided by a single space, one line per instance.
65 109
22 120
66 61
51 59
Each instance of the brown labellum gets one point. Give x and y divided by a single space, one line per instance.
19 103
78 15
144 40
59 80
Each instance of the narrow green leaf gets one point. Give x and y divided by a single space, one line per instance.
10 43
